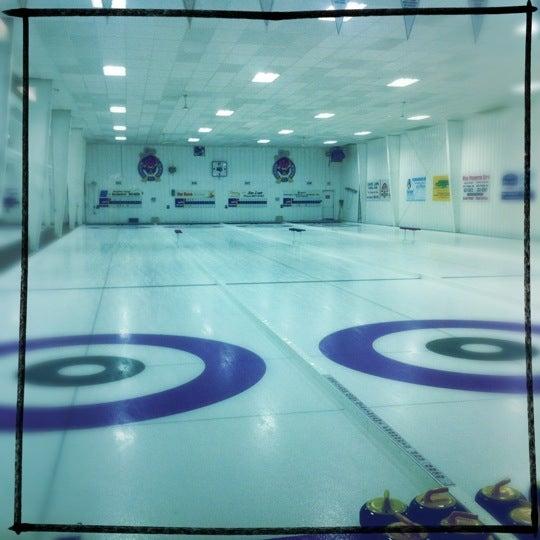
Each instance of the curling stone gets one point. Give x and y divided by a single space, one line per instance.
394 532
381 511
432 506
521 515
500 499
464 519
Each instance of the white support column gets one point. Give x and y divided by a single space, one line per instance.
75 182
454 140
6 40
362 177
393 145
60 132
38 153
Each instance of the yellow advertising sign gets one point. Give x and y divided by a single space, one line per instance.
441 188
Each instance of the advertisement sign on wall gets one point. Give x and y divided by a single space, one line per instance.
513 187
194 198
302 198
476 187
119 198
378 190
441 188
246 199
416 189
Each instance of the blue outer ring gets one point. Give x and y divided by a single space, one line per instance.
353 348
229 370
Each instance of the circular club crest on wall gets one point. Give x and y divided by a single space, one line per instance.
150 167
284 168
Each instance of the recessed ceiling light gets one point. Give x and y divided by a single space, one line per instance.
224 112
324 115
118 109
205 130
114 71
265 77
350 5
263 141
193 139
330 142
286 131
402 82
520 88
361 133
97 3
120 138
419 117
119 128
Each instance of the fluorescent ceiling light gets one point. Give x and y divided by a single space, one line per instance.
324 115
402 82
114 71
263 77
120 138
350 5
205 130
263 141
419 117
118 109
330 142
119 128
224 112
97 3
193 139
361 133
286 131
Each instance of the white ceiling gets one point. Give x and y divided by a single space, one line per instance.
214 61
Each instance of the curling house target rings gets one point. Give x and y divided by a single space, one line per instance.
229 370
353 348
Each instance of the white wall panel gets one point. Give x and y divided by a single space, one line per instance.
423 153
378 211
108 164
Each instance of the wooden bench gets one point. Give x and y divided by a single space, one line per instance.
406 229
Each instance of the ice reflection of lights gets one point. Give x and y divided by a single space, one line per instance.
124 436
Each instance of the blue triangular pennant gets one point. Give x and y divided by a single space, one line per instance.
189 4
409 19
266 7
339 4
477 20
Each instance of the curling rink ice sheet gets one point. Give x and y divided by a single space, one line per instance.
218 410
